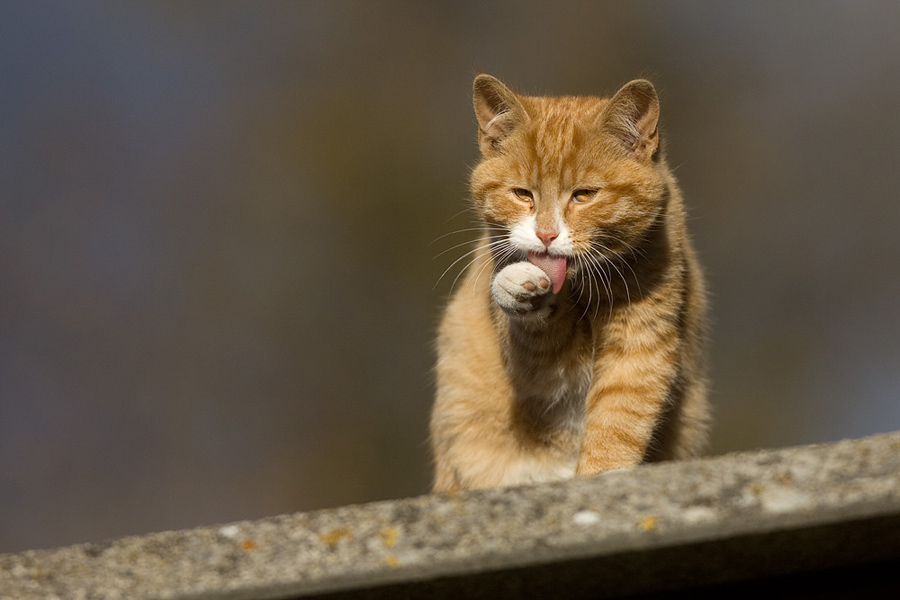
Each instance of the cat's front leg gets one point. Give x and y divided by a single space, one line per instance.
635 379
522 290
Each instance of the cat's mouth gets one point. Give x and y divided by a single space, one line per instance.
554 266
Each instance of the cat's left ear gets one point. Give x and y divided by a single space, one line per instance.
632 116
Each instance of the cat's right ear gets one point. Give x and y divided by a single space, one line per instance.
498 111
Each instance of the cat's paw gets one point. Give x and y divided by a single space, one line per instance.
522 289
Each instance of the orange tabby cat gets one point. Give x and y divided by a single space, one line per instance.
575 344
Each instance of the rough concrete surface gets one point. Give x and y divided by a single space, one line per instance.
657 527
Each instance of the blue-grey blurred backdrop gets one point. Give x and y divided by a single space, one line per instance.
218 283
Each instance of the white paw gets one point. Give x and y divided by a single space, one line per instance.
521 289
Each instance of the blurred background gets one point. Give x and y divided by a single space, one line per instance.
220 271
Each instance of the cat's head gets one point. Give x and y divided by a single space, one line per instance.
567 182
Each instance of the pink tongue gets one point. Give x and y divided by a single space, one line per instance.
553 266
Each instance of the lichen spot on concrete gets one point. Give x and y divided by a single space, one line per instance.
648 523
334 536
389 536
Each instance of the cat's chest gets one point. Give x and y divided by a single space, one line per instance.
551 371
566 380
554 399
558 367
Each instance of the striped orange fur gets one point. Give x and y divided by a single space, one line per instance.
574 344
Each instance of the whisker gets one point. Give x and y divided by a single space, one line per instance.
505 253
607 285
624 261
603 278
613 265
481 227
469 253
488 250
582 267
465 210
469 264
451 248
467 229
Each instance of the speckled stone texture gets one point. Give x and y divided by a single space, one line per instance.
661 527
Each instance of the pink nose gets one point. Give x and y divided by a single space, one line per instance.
547 237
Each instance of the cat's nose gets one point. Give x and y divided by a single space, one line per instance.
547 237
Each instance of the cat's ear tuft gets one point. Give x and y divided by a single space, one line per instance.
498 111
632 116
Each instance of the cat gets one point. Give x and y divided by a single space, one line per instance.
575 344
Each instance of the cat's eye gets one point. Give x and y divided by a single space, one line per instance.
524 195
583 196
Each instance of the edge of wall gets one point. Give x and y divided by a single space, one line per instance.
657 527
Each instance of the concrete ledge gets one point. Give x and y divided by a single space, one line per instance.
671 526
